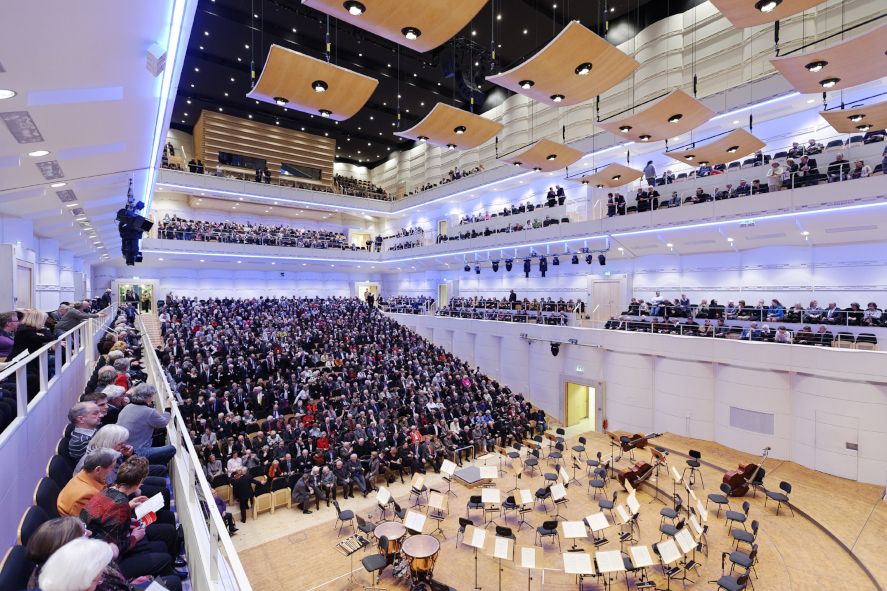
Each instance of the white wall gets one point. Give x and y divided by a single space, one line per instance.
819 399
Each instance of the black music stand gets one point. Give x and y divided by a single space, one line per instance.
655 470
574 479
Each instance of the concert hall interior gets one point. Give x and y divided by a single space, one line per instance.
310 295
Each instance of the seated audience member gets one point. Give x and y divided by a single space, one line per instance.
701 196
774 176
813 313
213 468
142 550
839 169
721 329
757 188
833 314
86 417
776 311
8 326
751 332
782 336
97 465
79 565
804 336
823 337
860 170
141 419
808 173
813 147
872 315
854 314
796 151
743 189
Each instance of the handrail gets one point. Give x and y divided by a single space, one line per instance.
191 484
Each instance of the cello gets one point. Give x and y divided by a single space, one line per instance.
636 474
740 479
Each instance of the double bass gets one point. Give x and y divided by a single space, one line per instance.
636 474
740 479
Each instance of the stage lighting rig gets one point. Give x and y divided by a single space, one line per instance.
131 226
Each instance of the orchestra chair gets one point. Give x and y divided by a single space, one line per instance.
551 477
579 448
781 497
671 512
756 483
46 496
514 454
531 464
509 504
16 568
744 536
738 516
474 502
33 518
590 464
746 560
643 582
542 495
669 529
376 563
548 529
693 465
599 483
506 532
365 527
399 512
460 533
720 500
556 454
732 582
417 493
609 504
343 517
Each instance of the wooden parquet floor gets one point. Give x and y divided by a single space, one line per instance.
290 551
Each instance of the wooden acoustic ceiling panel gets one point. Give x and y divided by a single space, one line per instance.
735 145
448 126
853 61
671 116
744 13
539 156
612 175
858 120
436 22
291 76
561 69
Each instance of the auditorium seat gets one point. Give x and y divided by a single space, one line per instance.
16 569
46 496
33 518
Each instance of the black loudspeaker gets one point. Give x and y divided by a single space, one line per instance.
555 349
495 265
508 264
602 259
467 268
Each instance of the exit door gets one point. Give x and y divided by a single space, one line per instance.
580 407
605 300
442 299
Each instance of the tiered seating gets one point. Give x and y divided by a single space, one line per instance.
177 228
359 188
533 311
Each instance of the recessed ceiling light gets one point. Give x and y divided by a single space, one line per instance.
829 82
645 138
805 233
689 157
6 94
38 153
583 69
353 8
412 33
767 5
160 259
57 185
537 169
675 118
325 113
669 245
732 149
856 117
449 147
319 86
625 128
201 260
459 130
864 127
816 66
557 97
551 157
206 33
617 177
526 84
278 100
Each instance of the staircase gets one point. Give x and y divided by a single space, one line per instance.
152 328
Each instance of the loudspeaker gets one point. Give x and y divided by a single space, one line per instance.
156 60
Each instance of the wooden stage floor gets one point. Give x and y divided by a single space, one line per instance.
836 540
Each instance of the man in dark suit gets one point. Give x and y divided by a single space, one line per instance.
302 493
808 173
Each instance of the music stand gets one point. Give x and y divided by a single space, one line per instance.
476 538
501 548
701 510
633 504
438 502
383 498
700 534
515 465
573 530
597 522
491 498
687 544
579 564
575 469
447 469
530 558
489 472
414 522
657 457
626 519
676 479
641 559
564 476
417 487
526 506
609 562
559 496
669 554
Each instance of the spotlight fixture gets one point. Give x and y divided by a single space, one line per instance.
495 266
508 264
537 169
675 118
616 177
325 113
599 186
451 146
354 8
585 182
551 157
689 157
423 138
467 268
588 259
856 118
816 66
829 82
732 149
703 163
575 259
602 259
555 348
625 128
459 130
555 260
644 138
411 33
864 127
6 94
319 86
280 101
477 269
518 163
767 5
583 69
526 84
557 97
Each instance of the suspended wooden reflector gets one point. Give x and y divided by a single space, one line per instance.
735 145
544 156
612 175
296 81
447 126
856 60
574 67
671 116
858 120
421 26
749 13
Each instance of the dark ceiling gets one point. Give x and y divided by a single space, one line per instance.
230 34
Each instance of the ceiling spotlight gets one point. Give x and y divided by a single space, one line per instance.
459 130
57 185
829 82
585 182
617 177
6 94
583 69
816 66
767 5
703 163
574 260
551 157
599 186
557 97
411 33
537 169
555 348
354 8
467 268
732 149
451 146
325 113
856 118
588 259
319 86
602 259
525 84
625 128
864 127
423 138
675 118
645 138
729 239
518 163
689 157
38 153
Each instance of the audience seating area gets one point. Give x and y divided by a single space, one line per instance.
454 175
406 304
358 188
545 311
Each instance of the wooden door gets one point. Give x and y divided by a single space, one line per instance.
24 286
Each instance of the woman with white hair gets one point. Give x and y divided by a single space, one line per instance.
76 566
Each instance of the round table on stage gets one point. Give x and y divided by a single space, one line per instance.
421 551
394 531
